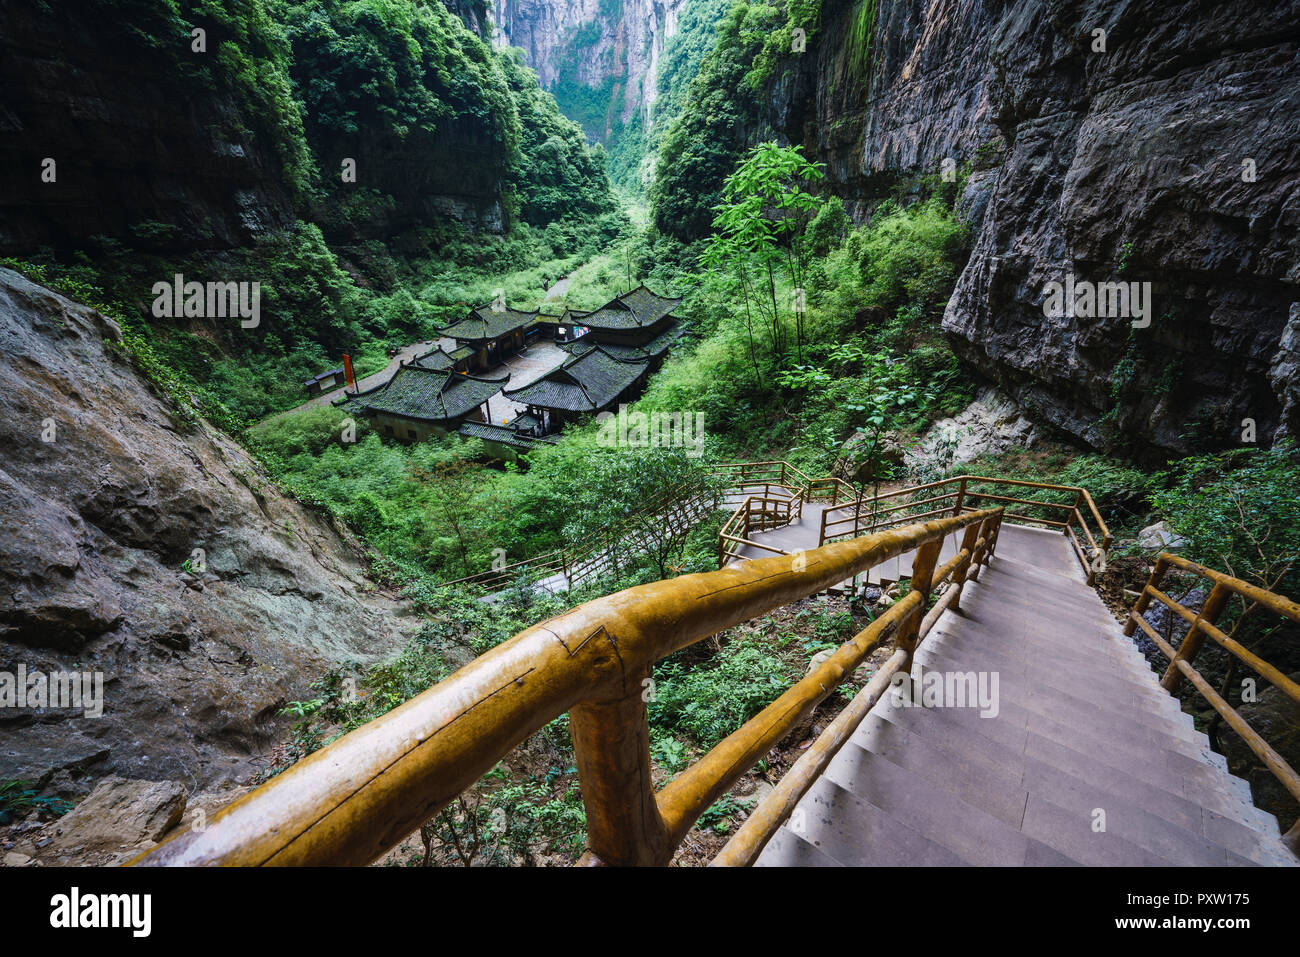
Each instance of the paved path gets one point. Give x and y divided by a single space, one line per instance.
533 363
1082 729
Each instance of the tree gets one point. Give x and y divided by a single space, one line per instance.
759 234
641 500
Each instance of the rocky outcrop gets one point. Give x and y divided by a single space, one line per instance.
1124 163
991 425
1284 375
159 557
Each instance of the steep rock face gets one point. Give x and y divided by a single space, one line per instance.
593 43
112 498
1118 165
134 159
925 96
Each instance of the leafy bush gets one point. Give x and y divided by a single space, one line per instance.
1238 511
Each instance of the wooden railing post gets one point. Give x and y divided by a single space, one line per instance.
968 540
1144 599
927 556
611 745
961 497
1195 637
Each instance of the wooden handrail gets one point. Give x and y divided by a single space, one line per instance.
965 490
360 795
1202 625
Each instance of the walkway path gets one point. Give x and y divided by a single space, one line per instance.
1086 761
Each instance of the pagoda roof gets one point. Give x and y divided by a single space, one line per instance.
650 350
637 309
585 383
485 322
427 394
502 434
435 360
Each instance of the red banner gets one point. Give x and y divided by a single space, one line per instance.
347 371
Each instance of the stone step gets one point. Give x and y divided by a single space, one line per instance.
852 833
787 849
1029 670
1049 698
1164 791
941 817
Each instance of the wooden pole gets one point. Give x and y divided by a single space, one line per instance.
927 556
611 744
1195 637
1144 599
959 575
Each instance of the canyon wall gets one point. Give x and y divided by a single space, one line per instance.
106 497
1123 163
599 57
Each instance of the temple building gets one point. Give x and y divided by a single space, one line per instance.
419 402
491 333
614 350
637 324
581 385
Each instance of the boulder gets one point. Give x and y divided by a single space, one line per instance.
121 813
1160 536
857 464
991 425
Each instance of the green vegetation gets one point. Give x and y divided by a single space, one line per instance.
864 353
1237 509
20 798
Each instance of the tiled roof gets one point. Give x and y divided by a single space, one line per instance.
435 360
632 310
485 323
501 434
651 350
585 383
432 396
325 375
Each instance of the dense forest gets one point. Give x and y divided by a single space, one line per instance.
394 166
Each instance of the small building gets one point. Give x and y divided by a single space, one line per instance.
325 381
417 402
637 319
503 442
581 385
491 334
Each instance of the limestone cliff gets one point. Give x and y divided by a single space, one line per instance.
106 496
1123 163
600 58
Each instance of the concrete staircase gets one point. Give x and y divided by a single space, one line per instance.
1082 730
